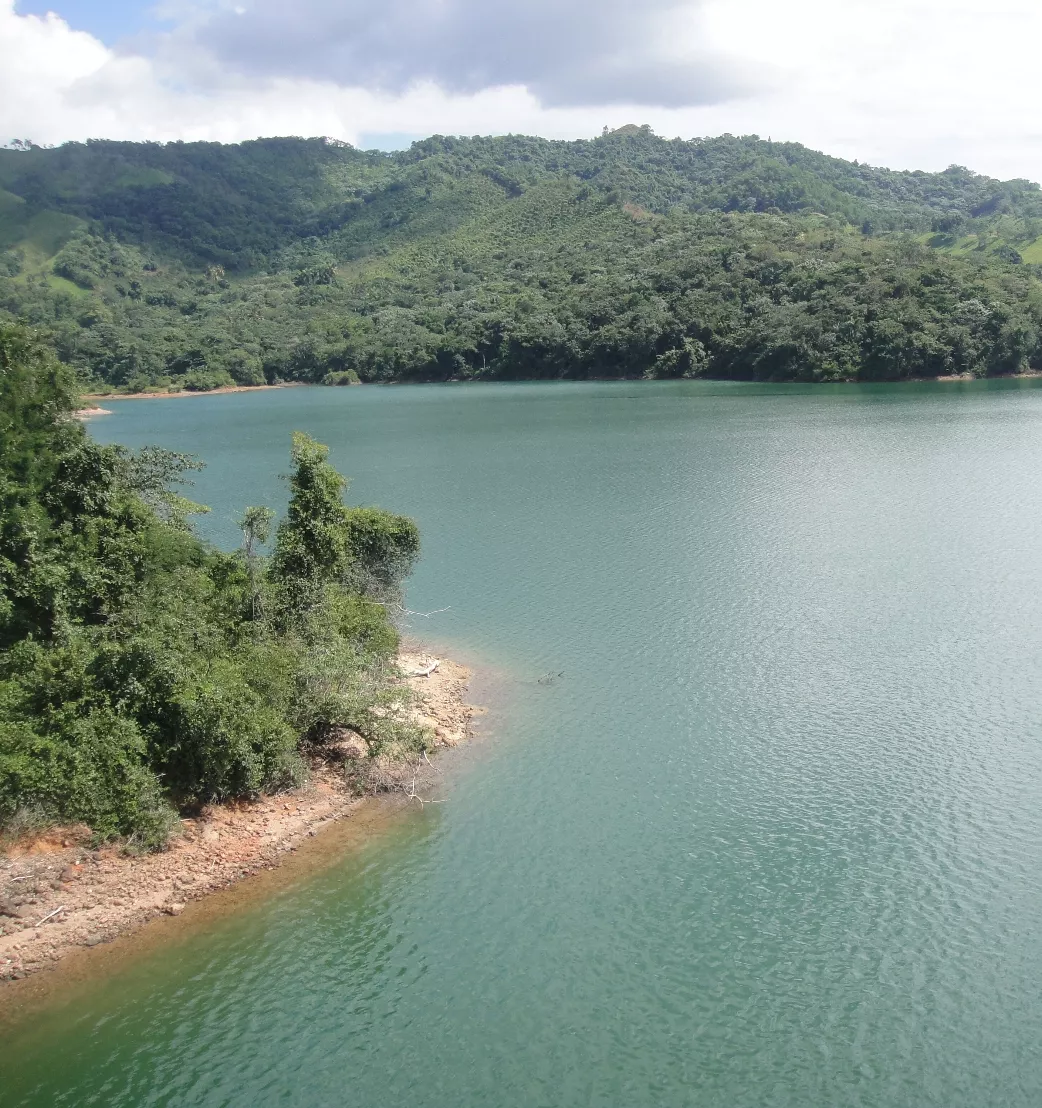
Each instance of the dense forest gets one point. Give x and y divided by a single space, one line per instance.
143 672
191 265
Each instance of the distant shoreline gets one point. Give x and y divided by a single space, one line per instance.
91 408
95 396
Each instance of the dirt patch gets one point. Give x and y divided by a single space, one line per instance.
57 895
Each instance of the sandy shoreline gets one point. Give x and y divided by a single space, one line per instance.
224 389
58 896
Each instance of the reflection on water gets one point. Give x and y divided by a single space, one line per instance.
772 838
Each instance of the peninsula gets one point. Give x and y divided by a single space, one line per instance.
174 716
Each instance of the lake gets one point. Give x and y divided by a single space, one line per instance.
774 835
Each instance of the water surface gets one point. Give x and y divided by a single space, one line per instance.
773 838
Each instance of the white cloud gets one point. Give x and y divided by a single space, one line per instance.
917 84
908 84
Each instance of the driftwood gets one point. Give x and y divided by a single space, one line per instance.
422 615
412 794
425 671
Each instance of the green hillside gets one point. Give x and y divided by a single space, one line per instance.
195 264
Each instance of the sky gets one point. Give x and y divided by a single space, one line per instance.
912 84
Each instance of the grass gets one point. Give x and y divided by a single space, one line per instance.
12 219
39 237
969 244
47 232
1032 252
62 284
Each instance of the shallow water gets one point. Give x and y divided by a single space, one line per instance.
773 838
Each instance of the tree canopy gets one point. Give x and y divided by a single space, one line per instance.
142 671
191 265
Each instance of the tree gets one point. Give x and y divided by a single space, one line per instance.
311 542
256 529
382 549
321 542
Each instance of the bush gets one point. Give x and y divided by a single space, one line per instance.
363 622
342 377
94 771
244 368
223 740
206 380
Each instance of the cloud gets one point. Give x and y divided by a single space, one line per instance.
565 52
915 84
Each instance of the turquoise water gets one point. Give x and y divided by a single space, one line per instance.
774 836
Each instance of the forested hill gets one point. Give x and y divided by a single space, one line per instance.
195 264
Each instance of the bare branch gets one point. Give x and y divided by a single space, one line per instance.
422 615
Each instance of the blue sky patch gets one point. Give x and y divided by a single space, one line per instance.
109 20
387 140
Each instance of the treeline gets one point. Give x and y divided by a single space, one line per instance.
142 671
195 265
567 286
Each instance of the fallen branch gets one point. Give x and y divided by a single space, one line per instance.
413 795
422 615
50 914
425 671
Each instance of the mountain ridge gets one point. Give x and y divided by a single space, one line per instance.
473 257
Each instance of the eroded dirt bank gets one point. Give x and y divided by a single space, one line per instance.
58 895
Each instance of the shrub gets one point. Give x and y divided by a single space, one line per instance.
94 771
222 740
342 377
206 380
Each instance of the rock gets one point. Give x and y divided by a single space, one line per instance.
93 940
174 909
70 873
8 908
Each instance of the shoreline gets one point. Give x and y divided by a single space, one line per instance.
93 409
58 896
222 391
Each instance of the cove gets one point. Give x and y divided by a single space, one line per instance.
771 838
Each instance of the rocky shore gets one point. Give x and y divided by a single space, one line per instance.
57 894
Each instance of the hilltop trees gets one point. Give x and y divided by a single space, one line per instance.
193 265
